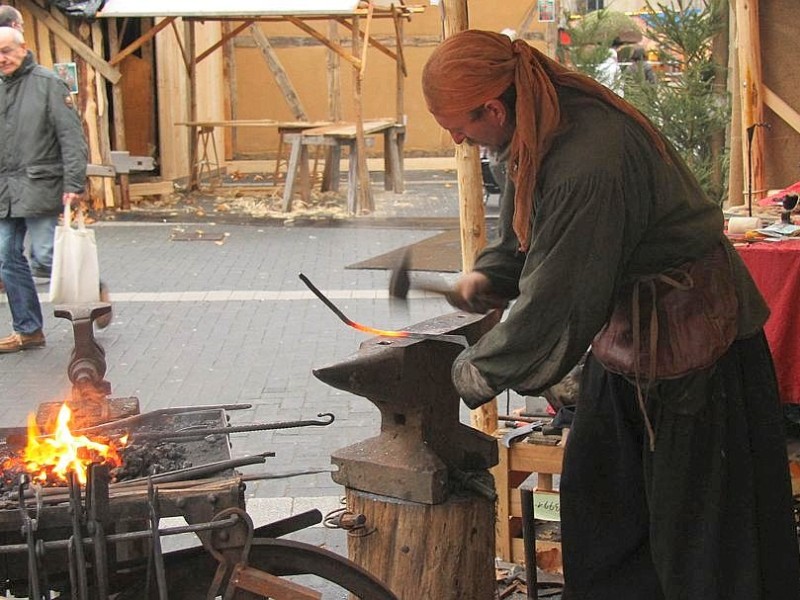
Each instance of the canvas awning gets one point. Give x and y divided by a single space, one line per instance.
233 8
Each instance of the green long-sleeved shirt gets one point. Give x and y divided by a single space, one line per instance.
608 208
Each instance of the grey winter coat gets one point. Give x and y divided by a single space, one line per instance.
43 151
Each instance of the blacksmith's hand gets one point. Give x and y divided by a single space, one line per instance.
469 382
473 293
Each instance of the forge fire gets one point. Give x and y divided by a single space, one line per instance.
48 457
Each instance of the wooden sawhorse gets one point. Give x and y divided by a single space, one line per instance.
335 137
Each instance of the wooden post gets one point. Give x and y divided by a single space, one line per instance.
333 71
736 168
231 105
89 108
470 195
364 197
719 55
395 178
103 132
119 118
191 72
752 113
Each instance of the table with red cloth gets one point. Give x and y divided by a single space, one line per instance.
775 267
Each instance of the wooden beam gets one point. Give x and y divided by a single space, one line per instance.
90 56
281 78
187 60
527 18
365 36
120 141
781 108
334 76
228 35
398 36
470 195
325 41
372 41
139 42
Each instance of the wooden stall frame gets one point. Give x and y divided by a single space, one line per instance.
357 57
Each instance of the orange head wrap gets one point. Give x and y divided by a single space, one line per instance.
473 67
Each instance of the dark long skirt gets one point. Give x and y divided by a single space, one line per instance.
708 514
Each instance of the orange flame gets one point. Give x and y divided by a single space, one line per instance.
55 455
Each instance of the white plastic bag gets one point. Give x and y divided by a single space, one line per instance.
75 278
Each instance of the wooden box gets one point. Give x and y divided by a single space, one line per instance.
516 464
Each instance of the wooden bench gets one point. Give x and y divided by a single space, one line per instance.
335 136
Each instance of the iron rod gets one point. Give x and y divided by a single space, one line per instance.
198 471
193 433
132 420
30 544
155 540
441 337
77 534
125 537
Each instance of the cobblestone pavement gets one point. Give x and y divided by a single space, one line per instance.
204 322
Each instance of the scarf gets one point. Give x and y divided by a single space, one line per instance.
473 67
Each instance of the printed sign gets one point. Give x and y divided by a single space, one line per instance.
546 506
69 73
547 11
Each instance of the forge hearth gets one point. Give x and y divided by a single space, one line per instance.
98 535
40 521
149 451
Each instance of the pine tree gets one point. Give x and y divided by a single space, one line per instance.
684 103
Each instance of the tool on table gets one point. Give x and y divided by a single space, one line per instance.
520 432
520 418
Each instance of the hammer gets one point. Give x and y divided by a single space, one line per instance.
400 282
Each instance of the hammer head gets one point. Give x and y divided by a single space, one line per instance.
399 282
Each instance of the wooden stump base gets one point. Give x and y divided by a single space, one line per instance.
442 551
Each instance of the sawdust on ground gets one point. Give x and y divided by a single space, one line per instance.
264 203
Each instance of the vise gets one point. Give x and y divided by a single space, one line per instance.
423 449
89 401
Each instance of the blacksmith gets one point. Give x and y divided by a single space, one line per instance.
43 157
675 483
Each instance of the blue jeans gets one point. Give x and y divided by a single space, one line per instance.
26 312
41 232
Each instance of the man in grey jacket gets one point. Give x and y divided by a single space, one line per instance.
43 157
